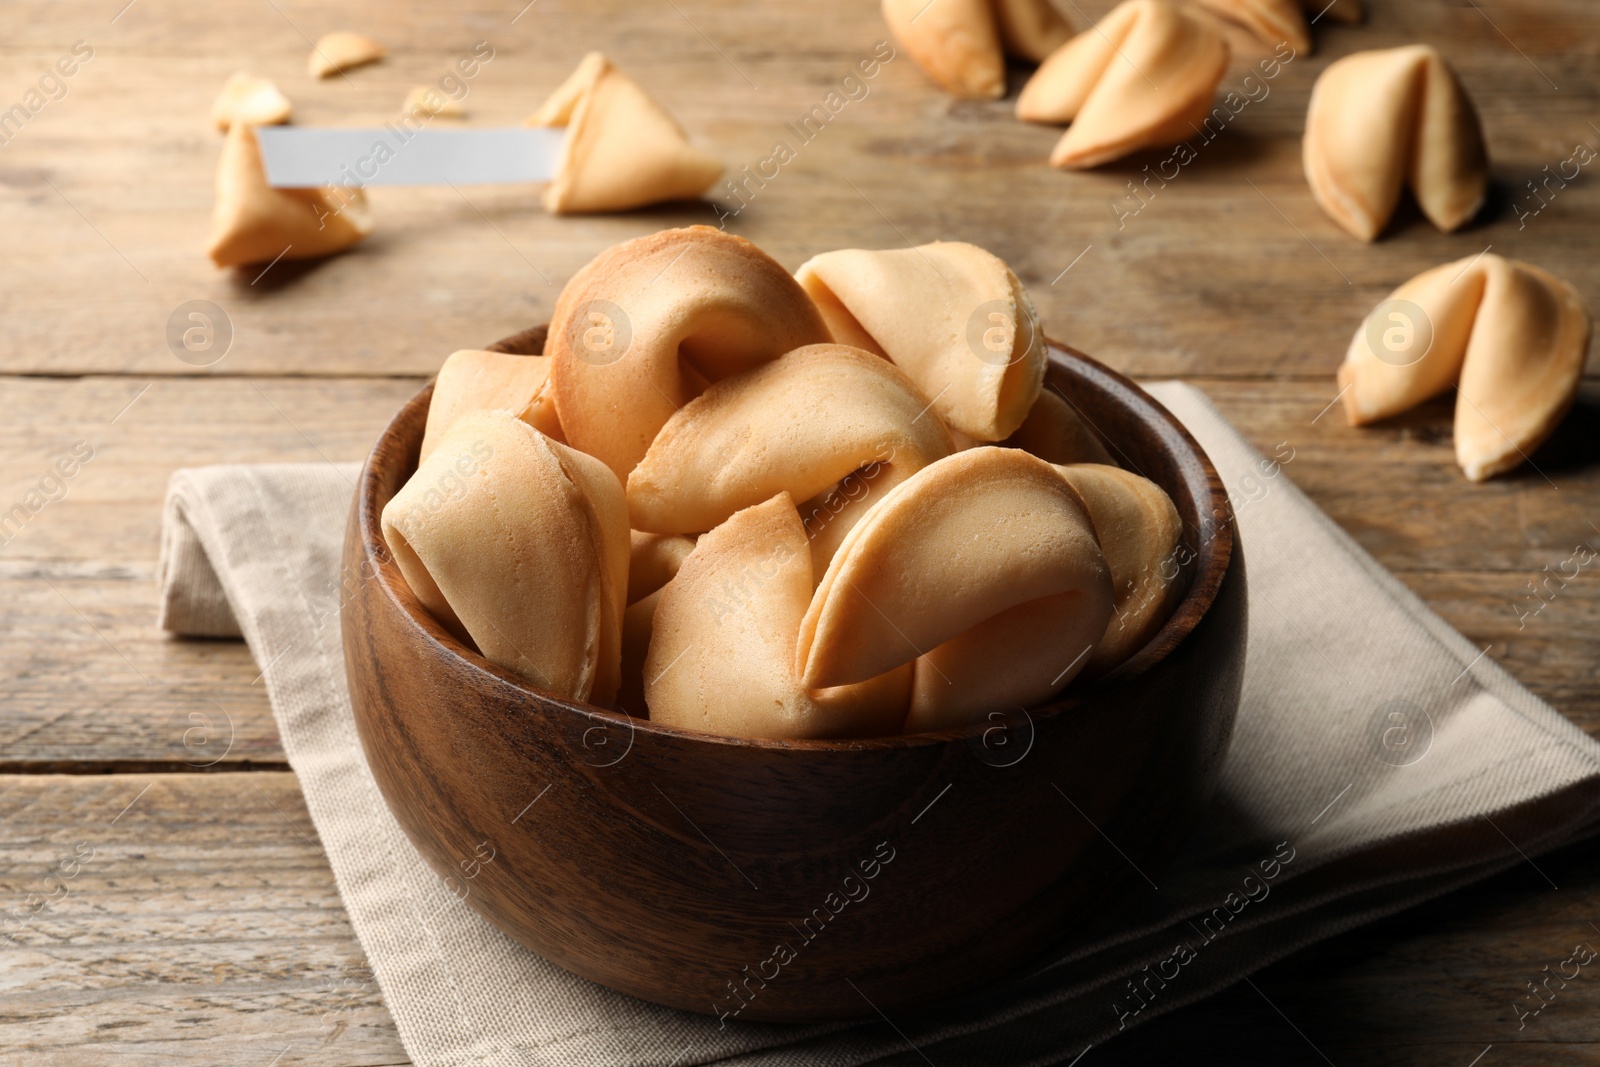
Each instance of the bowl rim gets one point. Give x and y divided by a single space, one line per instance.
1214 546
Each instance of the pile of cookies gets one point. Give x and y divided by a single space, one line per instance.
835 504
1146 76
1510 337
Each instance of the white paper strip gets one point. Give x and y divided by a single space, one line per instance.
301 157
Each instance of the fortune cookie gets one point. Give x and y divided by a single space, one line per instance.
519 545
1534 330
962 44
1347 11
486 381
622 150
1283 21
653 562
1382 120
253 222
643 328
425 101
341 51
1056 433
982 570
638 628
1142 77
722 656
951 315
798 425
1138 528
1514 335
1410 347
251 100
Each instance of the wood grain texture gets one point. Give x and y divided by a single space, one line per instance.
1211 281
201 926
1234 248
92 684
206 929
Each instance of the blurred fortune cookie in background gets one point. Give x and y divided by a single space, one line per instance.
1141 78
1512 337
253 101
254 222
341 51
1275 21
1386 120
963 44
622 150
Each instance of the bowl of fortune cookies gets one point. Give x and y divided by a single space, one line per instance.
789 646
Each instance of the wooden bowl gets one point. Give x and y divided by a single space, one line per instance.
801 880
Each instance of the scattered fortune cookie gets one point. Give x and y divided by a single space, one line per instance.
951 315
963 44
341 51
426 101
519 545
1410 347
1384 120
622 150
253 101
1512 336
1142 77
255 223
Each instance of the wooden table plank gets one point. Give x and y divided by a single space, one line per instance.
212 930
201 926
92 685
1422 989
204 927
1230 269
90 682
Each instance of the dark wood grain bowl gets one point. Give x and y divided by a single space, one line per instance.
802 880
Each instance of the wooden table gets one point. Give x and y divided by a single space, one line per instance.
205 927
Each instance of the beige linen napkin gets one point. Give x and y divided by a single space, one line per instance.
1379 760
